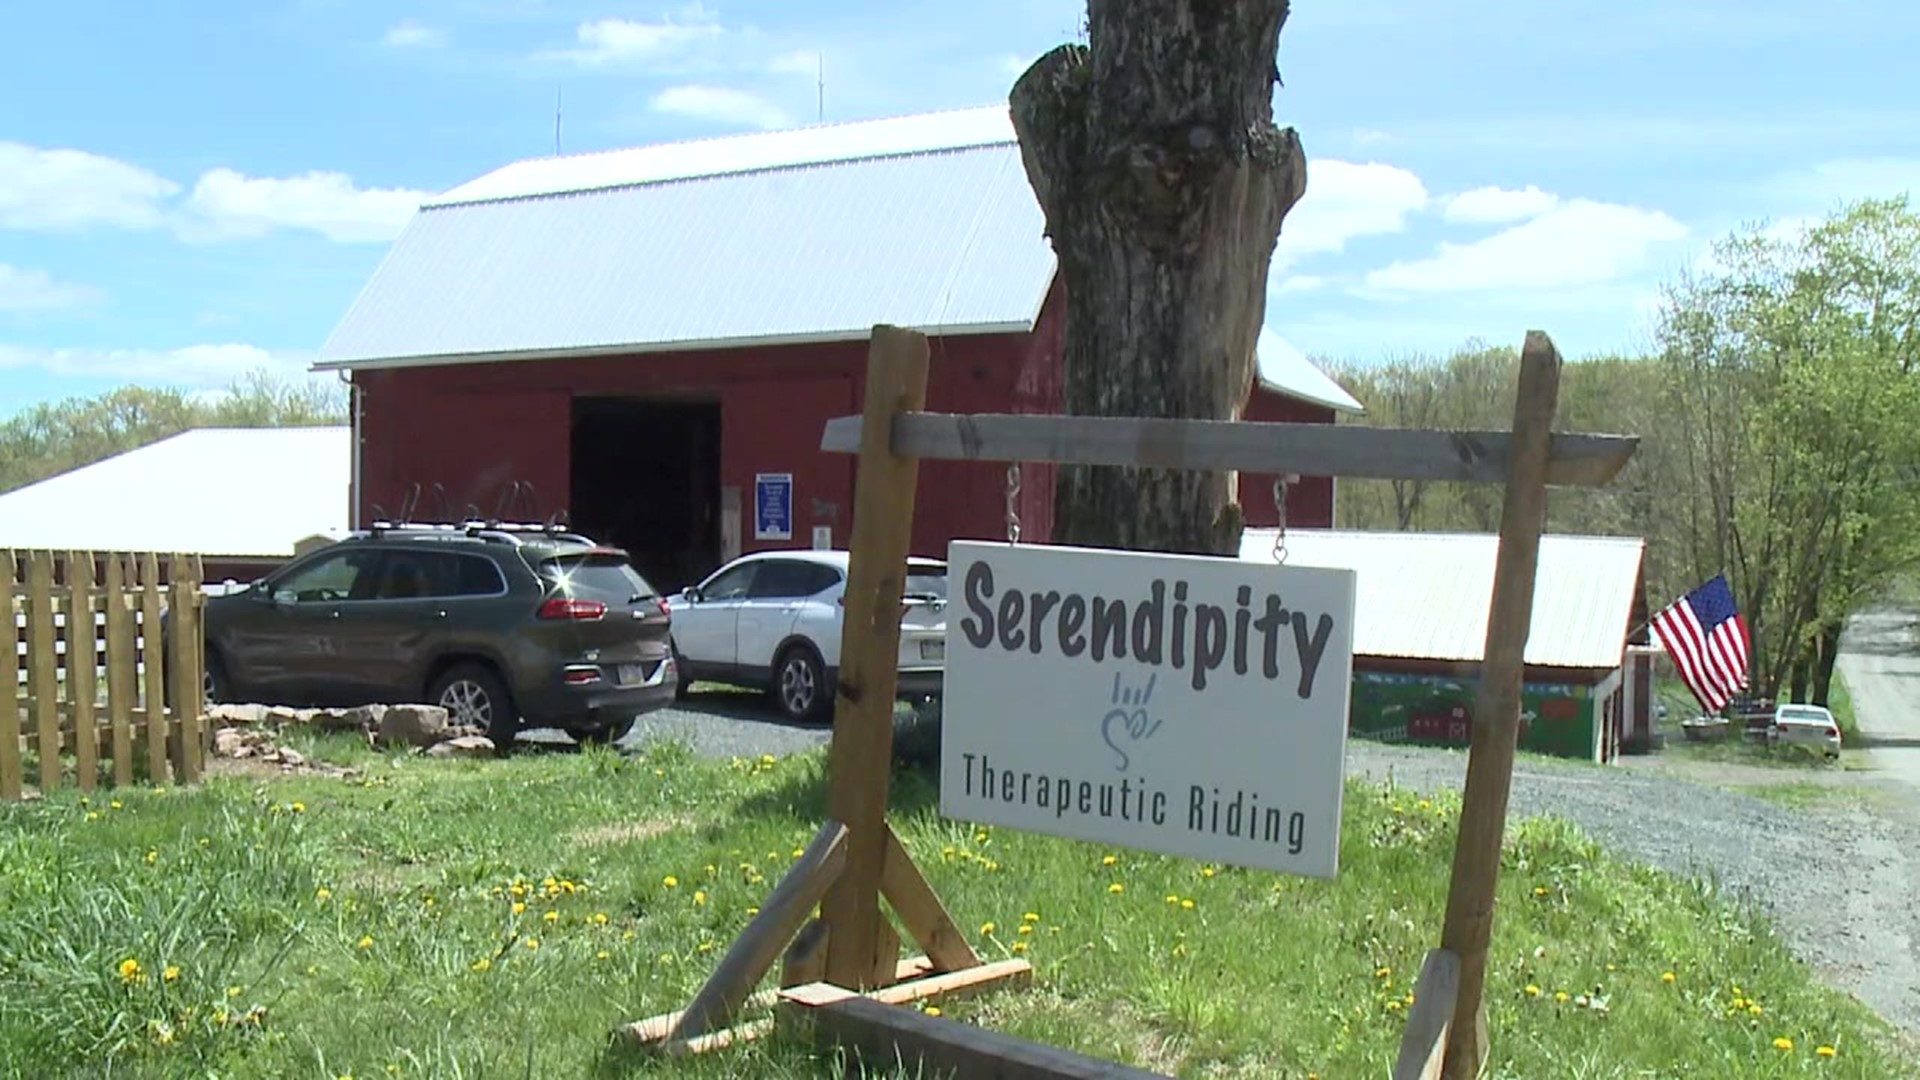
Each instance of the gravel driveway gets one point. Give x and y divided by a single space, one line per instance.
1837 879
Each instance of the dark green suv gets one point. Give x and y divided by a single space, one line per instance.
507 627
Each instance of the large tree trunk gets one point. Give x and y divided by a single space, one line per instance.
1824 659
1153 152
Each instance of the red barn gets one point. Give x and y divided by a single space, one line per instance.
652 339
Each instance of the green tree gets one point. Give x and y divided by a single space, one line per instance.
56 437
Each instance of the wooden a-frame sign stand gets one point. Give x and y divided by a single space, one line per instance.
842 970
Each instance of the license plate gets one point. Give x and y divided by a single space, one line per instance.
933 650
630 674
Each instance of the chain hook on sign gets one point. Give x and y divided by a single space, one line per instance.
1280 510
1013 503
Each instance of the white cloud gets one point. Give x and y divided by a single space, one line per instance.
1299 283
413 35
721 104
1580 242
192 366
71 189
36 290
1498 205
798 62
226 204
1345 201
608 42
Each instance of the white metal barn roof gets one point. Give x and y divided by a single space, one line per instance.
218 492
809 234
1425 596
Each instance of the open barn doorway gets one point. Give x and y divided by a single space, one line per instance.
646 477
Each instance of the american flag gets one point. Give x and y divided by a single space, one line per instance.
1707 638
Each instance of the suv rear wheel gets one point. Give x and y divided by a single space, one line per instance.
800 685
475 697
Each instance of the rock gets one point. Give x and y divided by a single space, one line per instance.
463 746
362 718
232 742
228 714
284 717
292 758
413 725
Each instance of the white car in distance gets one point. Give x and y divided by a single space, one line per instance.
1806 725
771 621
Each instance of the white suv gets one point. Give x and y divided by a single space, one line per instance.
771 621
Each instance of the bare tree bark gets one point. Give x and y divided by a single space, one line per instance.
1153 152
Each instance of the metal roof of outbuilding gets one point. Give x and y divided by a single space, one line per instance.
1425 596
220 492
773 238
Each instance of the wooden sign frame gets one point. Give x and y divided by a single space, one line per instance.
842 968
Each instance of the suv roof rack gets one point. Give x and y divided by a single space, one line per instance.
476 528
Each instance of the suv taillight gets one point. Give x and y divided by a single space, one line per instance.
567 608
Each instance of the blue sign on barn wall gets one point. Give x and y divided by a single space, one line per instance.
773 506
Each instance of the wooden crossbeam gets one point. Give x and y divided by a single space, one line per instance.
1423 1045
761 943
1346 450
888 1037
920 909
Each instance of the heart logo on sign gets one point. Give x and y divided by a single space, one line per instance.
1127 720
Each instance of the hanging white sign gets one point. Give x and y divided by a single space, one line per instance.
1179 704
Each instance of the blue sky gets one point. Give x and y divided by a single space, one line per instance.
193 188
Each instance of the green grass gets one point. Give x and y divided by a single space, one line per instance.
1801 795
370 922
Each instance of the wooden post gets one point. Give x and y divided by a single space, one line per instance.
860 759
10 778
83 645
183 660
121 658
1496 720
43 673
152 655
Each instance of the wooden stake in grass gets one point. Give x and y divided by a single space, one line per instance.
1496 721
862 753
10 779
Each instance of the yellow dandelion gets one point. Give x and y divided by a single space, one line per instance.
1539 890
1783 1043
599 918
519 907
171 974
93 815
1753 1008
366 942
629 935
603 955
299 808
1025 929
933 1010
234 991
988 928
1383 973
551 917
1019 947
1109 861
670 881
483 964
518 889
1560 996
1825 1051
1207 871
1172 899
115 804
152 857
1532 990
1031 917
1667 978
1186 905
323 894
129 970
1116 888
699 896
533 944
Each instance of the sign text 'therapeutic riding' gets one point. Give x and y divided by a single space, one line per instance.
1171 703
